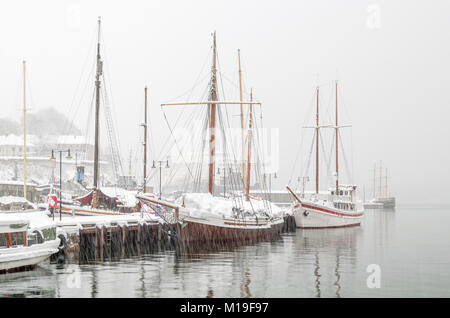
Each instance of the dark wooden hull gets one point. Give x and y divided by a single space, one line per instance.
18 269
196 234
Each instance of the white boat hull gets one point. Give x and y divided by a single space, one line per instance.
309 216
16 258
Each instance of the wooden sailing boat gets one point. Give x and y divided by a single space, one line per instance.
240 224
95 202
339 206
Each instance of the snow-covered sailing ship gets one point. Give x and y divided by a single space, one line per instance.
236 217
338 206
101 200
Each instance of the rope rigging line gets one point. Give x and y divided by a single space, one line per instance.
180 150
176 123
171 132
310 155
260 164
88 56
302 140
345 159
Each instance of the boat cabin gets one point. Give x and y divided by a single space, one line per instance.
348 206
13 232
346 192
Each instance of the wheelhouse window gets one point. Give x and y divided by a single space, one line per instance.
17 238
2 240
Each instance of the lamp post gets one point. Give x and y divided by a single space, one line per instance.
160 173
270 182
60 175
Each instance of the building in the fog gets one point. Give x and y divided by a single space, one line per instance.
12 146
41 146
15 189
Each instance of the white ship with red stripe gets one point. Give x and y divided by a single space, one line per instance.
337 207
340 210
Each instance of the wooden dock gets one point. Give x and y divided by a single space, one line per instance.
117 238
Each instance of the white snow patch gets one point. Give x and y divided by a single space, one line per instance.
204 205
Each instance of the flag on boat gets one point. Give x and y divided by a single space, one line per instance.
52 201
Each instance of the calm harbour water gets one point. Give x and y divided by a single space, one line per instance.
411 245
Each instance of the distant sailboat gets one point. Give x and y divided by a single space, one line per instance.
383 200
339 207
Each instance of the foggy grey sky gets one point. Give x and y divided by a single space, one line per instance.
395 79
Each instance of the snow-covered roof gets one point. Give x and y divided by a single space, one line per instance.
11 199
32 140
12 182
36 220
71 140
13 140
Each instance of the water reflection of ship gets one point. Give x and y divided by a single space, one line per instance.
245 283
323 245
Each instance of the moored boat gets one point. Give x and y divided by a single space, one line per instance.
21 250
334 211
233 217
338 206
100 200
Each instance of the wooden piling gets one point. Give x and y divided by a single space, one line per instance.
102 242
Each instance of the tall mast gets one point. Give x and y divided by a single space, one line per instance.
381 172
212 119
386 183
145 141
97 116
24 133
374 180
249 146
337 142
242 122
317 140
